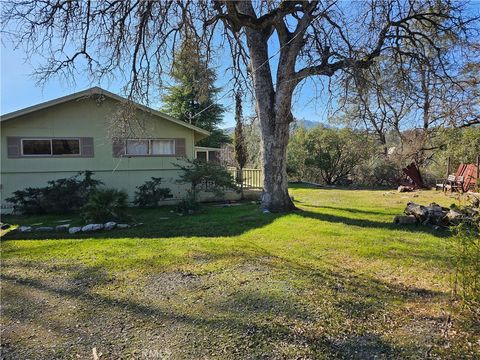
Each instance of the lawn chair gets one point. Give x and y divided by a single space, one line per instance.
452 183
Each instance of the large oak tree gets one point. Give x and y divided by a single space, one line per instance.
276 44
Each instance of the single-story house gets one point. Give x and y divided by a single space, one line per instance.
87 130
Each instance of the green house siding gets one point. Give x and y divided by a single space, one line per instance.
90 118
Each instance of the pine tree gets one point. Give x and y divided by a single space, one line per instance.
191 98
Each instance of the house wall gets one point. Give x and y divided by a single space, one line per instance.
89 118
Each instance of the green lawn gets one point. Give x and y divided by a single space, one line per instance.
335 279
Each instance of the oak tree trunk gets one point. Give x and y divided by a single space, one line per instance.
273 105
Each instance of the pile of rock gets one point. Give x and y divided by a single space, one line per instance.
435 215
76 229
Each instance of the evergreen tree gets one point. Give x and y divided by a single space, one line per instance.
240 148
191 98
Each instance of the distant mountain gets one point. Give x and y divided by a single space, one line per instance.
229 130
307 124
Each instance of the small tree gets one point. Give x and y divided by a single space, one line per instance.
240 147
333 153
198 173
297 154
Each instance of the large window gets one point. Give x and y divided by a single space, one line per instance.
150 147
49 147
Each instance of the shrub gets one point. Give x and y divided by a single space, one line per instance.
150 193
213 177
58 197
379 171
187 205
106 205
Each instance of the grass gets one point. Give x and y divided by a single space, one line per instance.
336 279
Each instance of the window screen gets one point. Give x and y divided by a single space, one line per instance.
137 147
162 147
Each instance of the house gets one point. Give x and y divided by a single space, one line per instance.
123 143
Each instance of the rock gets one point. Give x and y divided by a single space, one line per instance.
63 227
74 230
109 225
403 188
405 219
123 226
266 211
5 226
25 229
92 227
44 228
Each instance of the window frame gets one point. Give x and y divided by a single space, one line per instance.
149 140
51 155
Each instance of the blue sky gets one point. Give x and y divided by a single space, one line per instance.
19 88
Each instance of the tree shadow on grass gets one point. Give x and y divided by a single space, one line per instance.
372 224
253 316
350 210
218 222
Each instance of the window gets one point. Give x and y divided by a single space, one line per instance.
37 147
150 147
137 147
202 155
65 147
49 147
163 147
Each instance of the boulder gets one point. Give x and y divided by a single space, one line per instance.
123 226
403 188
25 229
63 227
44 228
109 225
74 229
405 219
92 227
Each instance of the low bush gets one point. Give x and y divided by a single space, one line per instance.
151 193
58 197
106 205
187 205
378 171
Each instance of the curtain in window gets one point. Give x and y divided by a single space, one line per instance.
137 147
163 147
